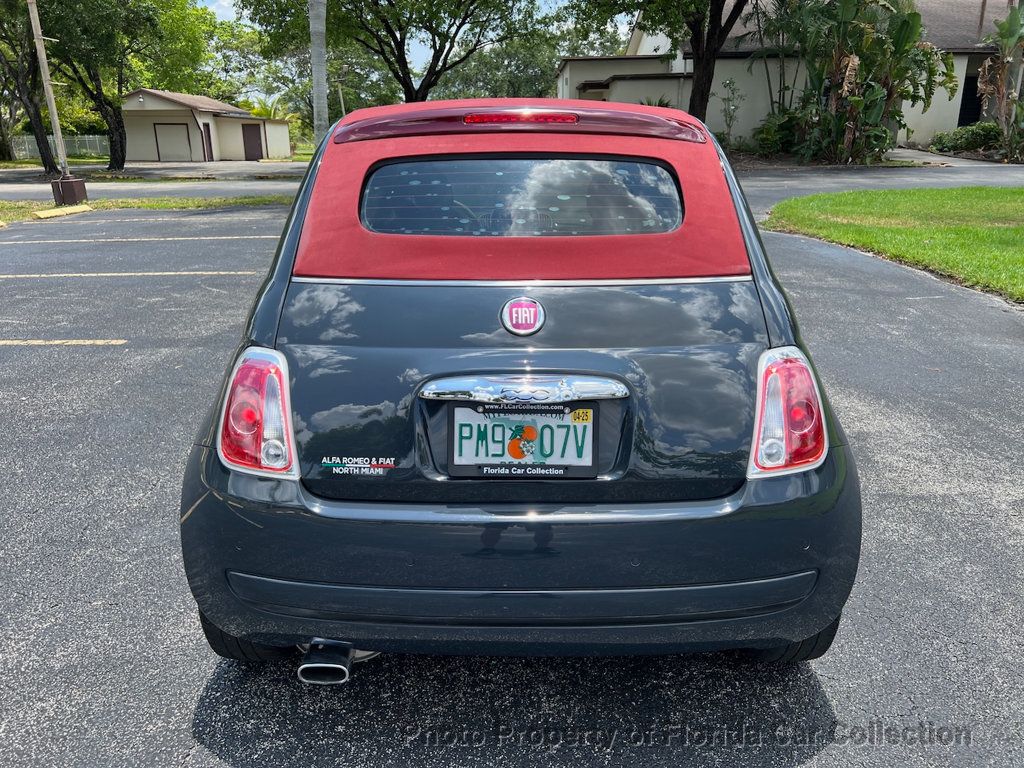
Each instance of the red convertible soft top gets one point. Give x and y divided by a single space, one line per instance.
336 244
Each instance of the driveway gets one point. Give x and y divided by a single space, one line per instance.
763 188
228 170
102 658
228 178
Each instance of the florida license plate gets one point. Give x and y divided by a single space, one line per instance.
522 442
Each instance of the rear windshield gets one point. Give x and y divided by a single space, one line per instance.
521 197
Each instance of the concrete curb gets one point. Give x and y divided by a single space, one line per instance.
52 213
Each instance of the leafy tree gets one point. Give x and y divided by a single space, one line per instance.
515 68
864 59
999 85
524 67
363 80
97 46
178 54
10 111
452 32
77 118
109 48
20 71
236 66
773 28
705 24
362 77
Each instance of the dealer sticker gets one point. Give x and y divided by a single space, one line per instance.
365 466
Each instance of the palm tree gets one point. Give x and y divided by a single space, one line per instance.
318 61
273 109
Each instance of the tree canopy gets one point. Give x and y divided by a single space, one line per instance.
19 72
525 67
703 24
450 32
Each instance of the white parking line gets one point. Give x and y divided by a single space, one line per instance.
196 273
144 219
138 239
62 342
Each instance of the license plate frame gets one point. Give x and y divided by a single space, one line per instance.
512 470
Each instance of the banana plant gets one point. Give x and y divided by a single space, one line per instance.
864 60
999 83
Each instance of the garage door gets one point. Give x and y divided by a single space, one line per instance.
172 142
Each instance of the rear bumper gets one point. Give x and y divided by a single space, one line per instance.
771 564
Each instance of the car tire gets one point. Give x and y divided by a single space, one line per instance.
231 647
812 648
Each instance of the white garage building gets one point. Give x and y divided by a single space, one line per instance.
163 126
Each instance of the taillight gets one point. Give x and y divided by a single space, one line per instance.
789 426
255 427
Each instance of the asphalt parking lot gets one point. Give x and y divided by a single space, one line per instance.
102 661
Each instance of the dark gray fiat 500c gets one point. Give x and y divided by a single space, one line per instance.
520 381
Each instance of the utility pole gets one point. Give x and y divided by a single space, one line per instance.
341 97
338 83
67 189
44 70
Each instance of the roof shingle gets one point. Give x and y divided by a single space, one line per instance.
202 103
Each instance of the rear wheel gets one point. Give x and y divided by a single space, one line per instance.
805 650
231 647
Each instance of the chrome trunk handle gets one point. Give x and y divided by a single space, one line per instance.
523 388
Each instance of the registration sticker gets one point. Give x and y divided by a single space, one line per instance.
583 416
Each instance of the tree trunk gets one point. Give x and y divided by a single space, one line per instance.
39 133
708 33
702 83
24 80
6 149
116 136
109 109
318 65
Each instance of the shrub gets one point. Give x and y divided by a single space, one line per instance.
731 101
967 138
772 137
863 61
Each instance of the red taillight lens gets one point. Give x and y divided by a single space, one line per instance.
789 432
255 432
478 118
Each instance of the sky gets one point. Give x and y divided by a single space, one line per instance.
225 9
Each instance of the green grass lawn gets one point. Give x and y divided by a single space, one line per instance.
18 210
31 163
974 235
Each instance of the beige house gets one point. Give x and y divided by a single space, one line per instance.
163 126
648 72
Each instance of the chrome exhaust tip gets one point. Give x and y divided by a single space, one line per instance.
327 662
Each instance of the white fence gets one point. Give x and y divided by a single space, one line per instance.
25 146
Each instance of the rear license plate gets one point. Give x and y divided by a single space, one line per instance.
522 442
